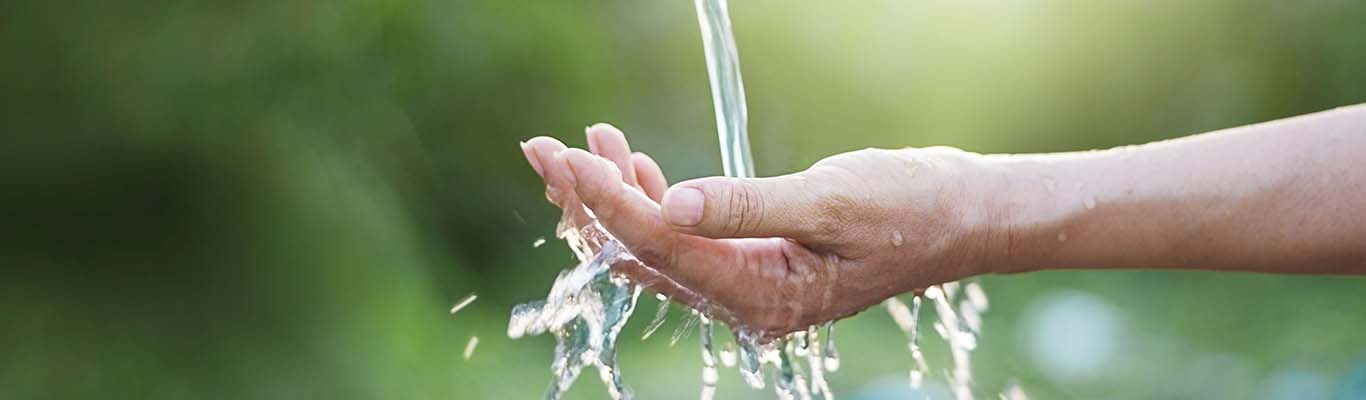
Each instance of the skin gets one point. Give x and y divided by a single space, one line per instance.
775 255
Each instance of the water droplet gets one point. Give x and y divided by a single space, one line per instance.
728 355
658 320
469 298
685 328
832 355
710 376
469 347
976 295
1050 185
896 239
538 242
750 359
1062 236
709 373
1013 391
1090 203
916 377
900 314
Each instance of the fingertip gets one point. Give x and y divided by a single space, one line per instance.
601 127
601 136
649 176
532 159
683 206
544 142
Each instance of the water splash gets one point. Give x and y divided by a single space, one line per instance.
585 311
469 347
588 305
658 321
685 327
464 302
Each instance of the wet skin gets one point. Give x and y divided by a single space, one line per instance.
778 254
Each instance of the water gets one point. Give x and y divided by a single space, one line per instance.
727 89
588 305
469 347
658 321
585 310
464 302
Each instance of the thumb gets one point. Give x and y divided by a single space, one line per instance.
720 207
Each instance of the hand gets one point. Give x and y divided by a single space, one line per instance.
775 255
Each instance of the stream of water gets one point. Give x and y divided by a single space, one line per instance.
588 305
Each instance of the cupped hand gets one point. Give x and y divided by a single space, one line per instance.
775 255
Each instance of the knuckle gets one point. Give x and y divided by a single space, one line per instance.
834 212
745 206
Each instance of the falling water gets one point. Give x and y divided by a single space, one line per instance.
727 89
588 305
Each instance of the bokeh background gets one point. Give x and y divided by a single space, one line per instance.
282 199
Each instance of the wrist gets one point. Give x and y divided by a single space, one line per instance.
1017 196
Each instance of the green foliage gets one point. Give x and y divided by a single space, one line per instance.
266 199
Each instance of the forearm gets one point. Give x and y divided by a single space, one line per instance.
1286 196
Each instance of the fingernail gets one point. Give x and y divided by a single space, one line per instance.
684 206
531 158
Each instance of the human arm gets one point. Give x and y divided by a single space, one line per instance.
1286 196
778 254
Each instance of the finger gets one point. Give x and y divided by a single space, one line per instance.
608 141
650 177
720 207
694 262
531 158
559 187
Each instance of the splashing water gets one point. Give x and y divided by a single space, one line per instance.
469 347
959 327
464 302
585 311
588 305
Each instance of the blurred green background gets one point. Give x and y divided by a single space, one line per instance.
281 199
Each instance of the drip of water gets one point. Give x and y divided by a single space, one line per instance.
815 361
728 355
832 355
709 374
685 327
469 347
960 343
464 302
751 359
790 384
658 320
